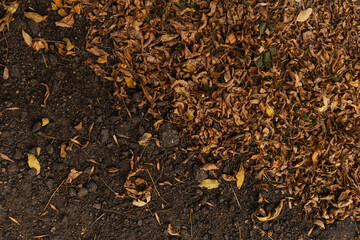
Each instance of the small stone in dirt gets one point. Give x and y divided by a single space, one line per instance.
12 169
53 59
18 155
168 136
34 82
49 149
34 28
97 206
36 127
91 186
49 183
72 192
200 175
82 192
104 135
31 173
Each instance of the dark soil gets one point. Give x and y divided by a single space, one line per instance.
87 208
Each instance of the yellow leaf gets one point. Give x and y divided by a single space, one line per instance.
58 3
326 105
102 59
77 9
12 8
28 39
33 162
69 45
264 219
240 176
304 15
320 224
190 114
145 139
62 12
54 7
209 183
38 151
130 82
187 10
44 121
35 16
189 68
269 111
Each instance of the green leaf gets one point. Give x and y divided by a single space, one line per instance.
272 50
262 27
259 62
183 5
206 88
267 59
305 117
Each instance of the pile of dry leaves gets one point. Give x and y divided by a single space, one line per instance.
279 77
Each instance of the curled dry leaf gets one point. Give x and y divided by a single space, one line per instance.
304 15
72 175
145 139
209 183
171 231
320 224
140 203
35 16
276 213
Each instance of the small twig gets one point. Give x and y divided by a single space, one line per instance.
44 60
236 198
115 193
191 227
95 221
7 47
156 190
53 194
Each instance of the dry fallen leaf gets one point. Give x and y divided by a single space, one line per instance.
130 83
28 39
35 16
276 213
67 22
140 203
304 15
171 231
14 220
269 111
44 121
209 183
33 162
3 156
145 139
62 150
209 167
320 224
240 176
6 73
72 175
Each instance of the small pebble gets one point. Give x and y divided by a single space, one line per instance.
104 135
91 186
72 192
82 192
97 206
36 127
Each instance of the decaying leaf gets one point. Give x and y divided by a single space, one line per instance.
140 203
28 39
63 150
67 22
33 162
209 167
276 213
171 231
35 16
6 73
240 176
304 15
3 156
320 224
269 111
209 183
168 37
145 139
130 83
72 175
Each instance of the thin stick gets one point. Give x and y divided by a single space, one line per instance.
116 194
156 187
54 194
7 47
236 198
191 228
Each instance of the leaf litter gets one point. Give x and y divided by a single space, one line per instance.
276 77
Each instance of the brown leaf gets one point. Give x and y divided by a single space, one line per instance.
72 175
67 22
5 157
171 231
209 167
14 220
6 73
35 16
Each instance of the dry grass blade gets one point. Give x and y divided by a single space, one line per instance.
3 156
